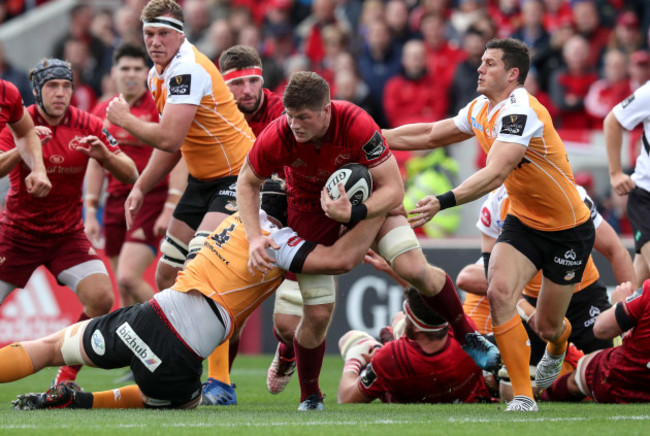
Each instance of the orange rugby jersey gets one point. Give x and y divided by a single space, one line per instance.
493 213
219 138
541 187
220 271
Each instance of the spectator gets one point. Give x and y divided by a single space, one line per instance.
626 35
506 16
19 78
197 19
309 31
570 84
102 27
220 37
549 59
532 30
396 13
414 96
467 13
379 60
587 21
639 68
335 42
350 87
81 18
532 85
605 93
556 14
463 86
127 26
76 51
442 56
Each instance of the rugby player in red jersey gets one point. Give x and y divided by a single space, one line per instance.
130 251
423 364
619 374
316 137
49 230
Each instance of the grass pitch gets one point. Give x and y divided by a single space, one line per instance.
259 412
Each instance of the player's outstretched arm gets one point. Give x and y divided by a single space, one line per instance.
423 136
608 323
609 245
94 182
346 253
29 147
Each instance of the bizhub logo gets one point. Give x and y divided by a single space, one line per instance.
138 347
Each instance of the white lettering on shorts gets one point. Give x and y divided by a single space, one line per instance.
138 347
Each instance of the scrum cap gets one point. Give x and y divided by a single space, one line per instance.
274 199
46 70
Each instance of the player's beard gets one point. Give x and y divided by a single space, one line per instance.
256 106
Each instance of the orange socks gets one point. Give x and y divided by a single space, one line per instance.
15 363
127 397
513 344
218 364
559 346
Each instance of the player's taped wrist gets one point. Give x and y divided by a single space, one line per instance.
358 213
352 365
446 200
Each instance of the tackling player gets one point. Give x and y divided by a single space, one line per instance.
242 71
49 231
548 226
165 339
423 364
316 137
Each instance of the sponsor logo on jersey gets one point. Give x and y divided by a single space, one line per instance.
138 347
342 159
568 260
625 103
233 186
180 85
227 193
513 124
223 237
476 125
298 163
374 147
294 240
74 143
97 343
56 159
368 376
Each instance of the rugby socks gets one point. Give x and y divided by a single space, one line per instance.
218 363
309 362
69 372
286 350
448 305
15 363
126 397
559 391
512 341
233 351
559 346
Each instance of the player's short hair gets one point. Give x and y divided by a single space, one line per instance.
306 90
156 8
273 199
129 50
422 317
515 55
238 57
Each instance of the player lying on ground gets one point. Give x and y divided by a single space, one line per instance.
423 364
165 339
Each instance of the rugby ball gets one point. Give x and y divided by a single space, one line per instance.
356 180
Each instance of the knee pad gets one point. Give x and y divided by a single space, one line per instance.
72 343
196 243
72 276
397 241
174 251
288 299
316 289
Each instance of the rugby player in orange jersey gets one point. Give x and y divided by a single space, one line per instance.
548 226
165 339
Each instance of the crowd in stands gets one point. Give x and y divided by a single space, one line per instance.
401 60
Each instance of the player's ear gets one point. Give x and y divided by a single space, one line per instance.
327 108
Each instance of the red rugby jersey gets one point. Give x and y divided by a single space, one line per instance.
145 109
352 136
401 372
11 104
60 212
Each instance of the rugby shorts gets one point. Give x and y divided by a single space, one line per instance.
201 197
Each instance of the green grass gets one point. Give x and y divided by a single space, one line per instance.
259 412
